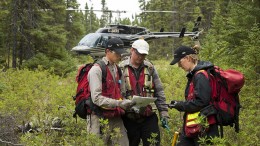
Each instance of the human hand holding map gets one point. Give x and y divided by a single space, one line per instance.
142 101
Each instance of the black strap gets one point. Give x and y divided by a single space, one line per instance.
119 71
102 65
221 131
237 113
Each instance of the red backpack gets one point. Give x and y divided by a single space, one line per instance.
83 102
225 86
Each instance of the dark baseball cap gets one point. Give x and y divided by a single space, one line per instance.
181 52
117 45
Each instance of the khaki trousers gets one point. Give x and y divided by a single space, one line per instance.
93 126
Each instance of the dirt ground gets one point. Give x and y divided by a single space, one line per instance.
8 134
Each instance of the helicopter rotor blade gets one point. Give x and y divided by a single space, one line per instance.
122 11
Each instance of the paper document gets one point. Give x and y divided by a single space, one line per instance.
142 101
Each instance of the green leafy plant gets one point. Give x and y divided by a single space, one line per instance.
152 139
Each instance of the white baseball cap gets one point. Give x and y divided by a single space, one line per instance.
141 46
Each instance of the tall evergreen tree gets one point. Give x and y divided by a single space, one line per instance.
74 24
5 34
105 17
229 29
87 19
49 37
215 43
93 21
251 59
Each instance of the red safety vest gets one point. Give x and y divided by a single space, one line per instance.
211 119
143 86
111 89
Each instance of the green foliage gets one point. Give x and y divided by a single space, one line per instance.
32 92
252 62
152 139
74 25
39 30
113 134
62 66
172 78
46 32
174 82
40 96
214 141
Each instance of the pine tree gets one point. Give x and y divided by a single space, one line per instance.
74 24
48 37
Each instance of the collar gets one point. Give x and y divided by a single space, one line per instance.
106 61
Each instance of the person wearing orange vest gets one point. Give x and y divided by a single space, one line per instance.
107 95
141 79
197 95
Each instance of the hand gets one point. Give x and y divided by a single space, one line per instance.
126 104
173 102
164 121
146 111
177 105
164 116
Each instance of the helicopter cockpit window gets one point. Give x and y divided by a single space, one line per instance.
103 41
90 40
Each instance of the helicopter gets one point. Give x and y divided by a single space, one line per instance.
94 44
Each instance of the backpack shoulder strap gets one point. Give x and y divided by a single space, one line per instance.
119 71
102 65
149 67
203 72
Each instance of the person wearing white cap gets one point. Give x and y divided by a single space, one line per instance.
141 79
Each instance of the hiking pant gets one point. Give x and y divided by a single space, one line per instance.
186 141
93 126
142 130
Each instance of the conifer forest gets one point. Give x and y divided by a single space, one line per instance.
38 68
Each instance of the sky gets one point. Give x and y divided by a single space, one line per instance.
130 6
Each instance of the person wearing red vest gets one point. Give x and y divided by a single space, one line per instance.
141 79
197 95
107 95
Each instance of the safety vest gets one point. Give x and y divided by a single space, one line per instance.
111 89
191 118
141 85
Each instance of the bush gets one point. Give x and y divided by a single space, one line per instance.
40 97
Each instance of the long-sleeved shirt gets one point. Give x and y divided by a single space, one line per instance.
158 88
95 84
